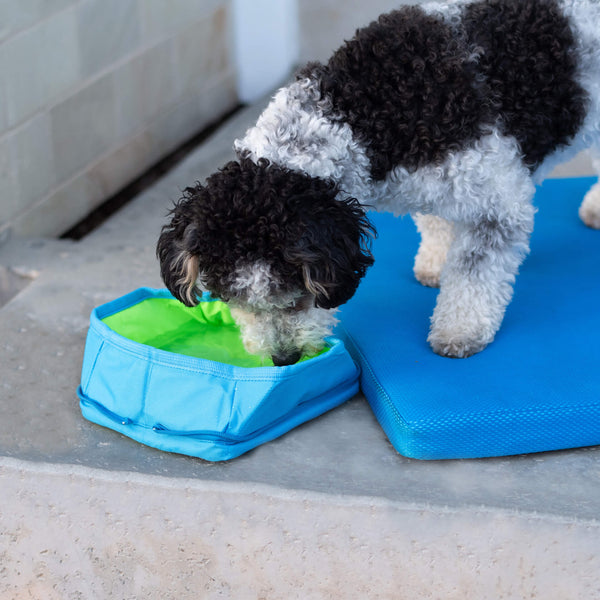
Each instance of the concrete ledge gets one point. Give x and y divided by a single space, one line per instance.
74 532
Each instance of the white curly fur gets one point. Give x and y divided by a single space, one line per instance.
256 281
449 11
296 324
437 235
589 211
485 191
286 331
294 132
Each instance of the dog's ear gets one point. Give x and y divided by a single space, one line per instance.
178 259
333 251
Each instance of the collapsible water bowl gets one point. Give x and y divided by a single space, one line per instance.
178 378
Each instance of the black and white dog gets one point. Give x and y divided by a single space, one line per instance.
449 111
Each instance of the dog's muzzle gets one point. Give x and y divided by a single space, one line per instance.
283 360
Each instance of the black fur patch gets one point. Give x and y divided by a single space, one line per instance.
408 89
250 212
414 88
530 65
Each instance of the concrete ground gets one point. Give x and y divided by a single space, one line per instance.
330 510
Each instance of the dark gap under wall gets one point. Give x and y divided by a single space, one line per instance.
111 205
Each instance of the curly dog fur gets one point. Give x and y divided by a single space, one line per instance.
450 112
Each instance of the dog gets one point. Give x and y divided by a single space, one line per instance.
447 111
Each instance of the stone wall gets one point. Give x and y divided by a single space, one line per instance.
93 92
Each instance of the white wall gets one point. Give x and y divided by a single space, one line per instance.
266 44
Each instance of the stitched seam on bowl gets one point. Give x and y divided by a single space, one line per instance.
89 377
147 377
232 404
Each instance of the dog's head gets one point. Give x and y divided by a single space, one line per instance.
279 246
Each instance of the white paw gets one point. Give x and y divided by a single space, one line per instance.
429 263
456 345
589 211
590 217
436 238
459 332
428 278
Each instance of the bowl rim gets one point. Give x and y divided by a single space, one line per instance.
193 363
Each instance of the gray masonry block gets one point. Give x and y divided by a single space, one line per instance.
203 51
79 195
39 65
9 201
34 160
84 127
64 207
107 31
17 16
144 86
3 108
161 18
194 111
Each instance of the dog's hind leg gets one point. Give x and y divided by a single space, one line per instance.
589 211
436 238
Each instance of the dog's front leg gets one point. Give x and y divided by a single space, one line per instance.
589 211
477 282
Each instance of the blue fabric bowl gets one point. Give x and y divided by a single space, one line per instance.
200 407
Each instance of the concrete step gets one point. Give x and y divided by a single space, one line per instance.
329 510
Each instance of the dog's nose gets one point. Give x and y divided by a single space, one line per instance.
284 359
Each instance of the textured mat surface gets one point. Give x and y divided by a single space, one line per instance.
536 388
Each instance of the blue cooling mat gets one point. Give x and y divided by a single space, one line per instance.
535 388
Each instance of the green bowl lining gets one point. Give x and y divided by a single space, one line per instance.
204 331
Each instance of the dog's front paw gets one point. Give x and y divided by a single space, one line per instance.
427 276
436 237
455 345
589 211
463 334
